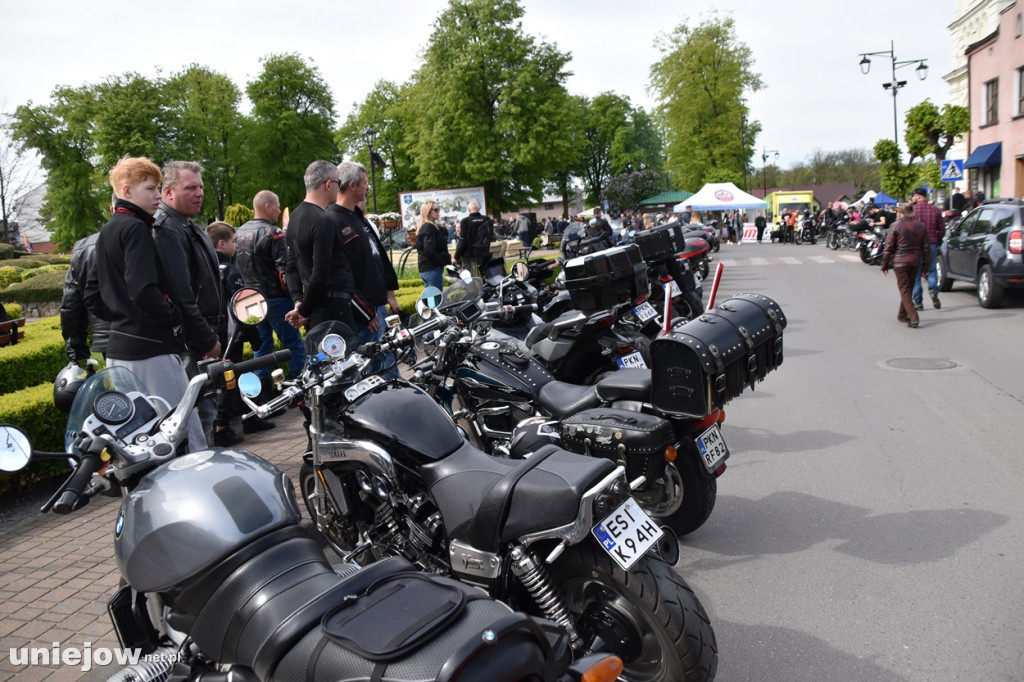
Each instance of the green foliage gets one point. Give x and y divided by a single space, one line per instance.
931 131
42 289
846 165
35 359
898 179
6 251
700 83
292 124
32 410
63 133
237 215
42 258
129 120
13 310
488 106
9 274
627 190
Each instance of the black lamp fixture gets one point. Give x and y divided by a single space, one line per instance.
765 153
894 85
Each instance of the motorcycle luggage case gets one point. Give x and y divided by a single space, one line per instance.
655 245
703 364
607 278
638 439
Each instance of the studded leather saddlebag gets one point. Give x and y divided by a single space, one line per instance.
638 439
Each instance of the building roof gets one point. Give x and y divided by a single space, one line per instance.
667 198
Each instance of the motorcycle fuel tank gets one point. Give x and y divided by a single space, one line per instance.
195 511
498 369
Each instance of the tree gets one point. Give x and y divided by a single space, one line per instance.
292 125
700 83
847 165
931 131
898 178
130 119
16 178
637 146
203 112
384 110
627 190
490 104
62 134
607 115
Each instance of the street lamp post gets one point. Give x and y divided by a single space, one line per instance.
894 85
369 135
764 169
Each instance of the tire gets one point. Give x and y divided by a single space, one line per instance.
799 238
832 241
864 257
990 292
705 268
700 492
945 283
648 616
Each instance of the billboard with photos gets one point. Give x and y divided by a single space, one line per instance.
454 203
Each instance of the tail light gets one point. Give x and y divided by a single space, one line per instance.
1016 242
707 421
606 670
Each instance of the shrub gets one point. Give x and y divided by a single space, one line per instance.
17 263
237 215
32 410
42 289
36 359
43 259
43 269
13 310
9 275
6 250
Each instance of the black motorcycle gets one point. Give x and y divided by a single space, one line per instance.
557 534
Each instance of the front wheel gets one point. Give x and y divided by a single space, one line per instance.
338 531
799 238
990 292
945 283
648 616
832 241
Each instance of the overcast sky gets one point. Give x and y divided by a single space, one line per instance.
807 51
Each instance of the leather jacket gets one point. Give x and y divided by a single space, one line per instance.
191 265
75 319
262 257
906 246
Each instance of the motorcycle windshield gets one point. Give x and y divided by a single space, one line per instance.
109 379
315 335
458 293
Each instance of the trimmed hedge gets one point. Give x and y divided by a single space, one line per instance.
9 275
32 410
13 310
36 359
6 250
42 289
42 258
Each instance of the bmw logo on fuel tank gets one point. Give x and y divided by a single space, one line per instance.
119 525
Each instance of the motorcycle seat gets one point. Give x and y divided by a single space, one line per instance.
561 399
488 501
625 384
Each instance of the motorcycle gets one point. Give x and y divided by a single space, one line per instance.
807 231
872 246
841 237
557 534
220 582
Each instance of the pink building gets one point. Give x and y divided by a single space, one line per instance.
995 73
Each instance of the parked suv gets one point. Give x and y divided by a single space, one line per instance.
985 249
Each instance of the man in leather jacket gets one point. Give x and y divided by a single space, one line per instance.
262 259
75 319
191 263
477 231
599 227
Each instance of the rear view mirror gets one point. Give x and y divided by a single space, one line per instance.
249 306
15 449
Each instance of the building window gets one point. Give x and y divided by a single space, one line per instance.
549 207
1020 91
991 102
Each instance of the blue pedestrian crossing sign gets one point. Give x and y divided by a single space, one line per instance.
952 170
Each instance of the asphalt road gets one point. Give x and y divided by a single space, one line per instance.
870 525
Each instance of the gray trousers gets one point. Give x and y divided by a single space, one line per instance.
164 376
207 407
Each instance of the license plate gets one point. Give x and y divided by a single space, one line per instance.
674 288
712 447
632 361
627 533
645 311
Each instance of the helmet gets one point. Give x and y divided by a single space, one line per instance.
67 383
531 434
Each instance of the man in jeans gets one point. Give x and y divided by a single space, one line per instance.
262 259
926 213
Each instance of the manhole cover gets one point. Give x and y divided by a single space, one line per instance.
920 364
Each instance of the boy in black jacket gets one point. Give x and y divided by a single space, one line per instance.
229 403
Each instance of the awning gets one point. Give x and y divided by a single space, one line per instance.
986 155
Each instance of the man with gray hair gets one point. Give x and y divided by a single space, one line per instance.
192 269
319 278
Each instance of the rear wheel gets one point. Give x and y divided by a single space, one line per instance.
990 292
865 258
660 498
648 616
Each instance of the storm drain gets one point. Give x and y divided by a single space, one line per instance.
920 364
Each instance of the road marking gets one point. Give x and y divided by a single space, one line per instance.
759 261
822 259
790 260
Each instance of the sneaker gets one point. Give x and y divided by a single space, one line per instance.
936 303
226 437
255 425
919 306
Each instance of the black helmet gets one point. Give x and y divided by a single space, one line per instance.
531 434
67 383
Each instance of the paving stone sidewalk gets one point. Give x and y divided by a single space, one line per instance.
57 572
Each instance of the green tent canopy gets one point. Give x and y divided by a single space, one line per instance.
667 198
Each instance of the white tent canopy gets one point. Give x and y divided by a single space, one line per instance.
720 196
867 198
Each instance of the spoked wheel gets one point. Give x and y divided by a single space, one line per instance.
649 616
799 238
832 241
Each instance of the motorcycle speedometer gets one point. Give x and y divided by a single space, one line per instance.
112 407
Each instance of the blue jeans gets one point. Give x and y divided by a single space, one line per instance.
289 335
433 278
366 336
933 278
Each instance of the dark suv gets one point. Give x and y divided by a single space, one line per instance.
985 249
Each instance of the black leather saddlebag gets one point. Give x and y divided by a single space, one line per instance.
638 439
607 278
702 365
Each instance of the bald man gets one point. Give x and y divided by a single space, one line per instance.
477 232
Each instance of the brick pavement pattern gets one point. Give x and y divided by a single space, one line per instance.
57 572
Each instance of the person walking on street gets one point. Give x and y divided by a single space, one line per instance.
319 277
929 215
262 259
906 252
760 223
